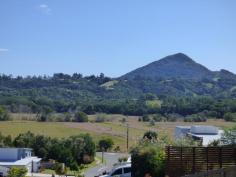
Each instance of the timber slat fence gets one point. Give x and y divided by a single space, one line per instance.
224 172
182 161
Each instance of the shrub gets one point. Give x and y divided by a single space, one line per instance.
152 122
146 118
150 136
153 158
229 137
123 159
195 118
105 144
117 149
17 172
4 114
230 117
159 118
80 117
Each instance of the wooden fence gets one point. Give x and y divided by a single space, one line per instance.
182 161
224 172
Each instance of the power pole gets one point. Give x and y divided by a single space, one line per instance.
127 137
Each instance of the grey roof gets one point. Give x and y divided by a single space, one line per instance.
202 129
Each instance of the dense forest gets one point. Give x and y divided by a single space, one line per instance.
92 94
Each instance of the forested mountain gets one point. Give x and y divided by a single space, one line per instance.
174 66
173 77
179 75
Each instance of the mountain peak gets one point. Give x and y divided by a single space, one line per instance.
179 57
178 65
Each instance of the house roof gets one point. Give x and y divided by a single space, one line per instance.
207 138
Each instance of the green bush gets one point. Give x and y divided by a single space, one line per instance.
4 114
105 144
17 172
148 159
230 117
229 137
146 118
81 117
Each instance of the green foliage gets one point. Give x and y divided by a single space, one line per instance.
140 96
145 118
4 114
195 118
148 159
60 169
80 117
150 136
123 159
186 142
152 122
117 149
5 141
105 144
229 137
159 118
17 172
72 151
231 117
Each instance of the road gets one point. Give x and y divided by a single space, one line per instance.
109 160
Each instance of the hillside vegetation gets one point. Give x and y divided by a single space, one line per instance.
174 84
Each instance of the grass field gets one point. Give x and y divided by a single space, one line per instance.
114 128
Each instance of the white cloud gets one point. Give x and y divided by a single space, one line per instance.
44 8
3 50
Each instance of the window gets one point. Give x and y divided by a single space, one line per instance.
127 170
117 172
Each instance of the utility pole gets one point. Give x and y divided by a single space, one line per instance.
102 155
127 138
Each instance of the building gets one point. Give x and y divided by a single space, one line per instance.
204 134
18 157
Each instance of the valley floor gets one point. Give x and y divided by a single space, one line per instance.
114 128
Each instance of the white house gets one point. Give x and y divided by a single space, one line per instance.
205 134
18 157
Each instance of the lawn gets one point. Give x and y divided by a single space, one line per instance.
114 129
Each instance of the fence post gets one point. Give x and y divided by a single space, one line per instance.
207 160
181 156
220 157
235 156
193 168
168 159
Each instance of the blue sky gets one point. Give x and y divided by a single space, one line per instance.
113 36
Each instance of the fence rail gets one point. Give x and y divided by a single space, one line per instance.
190 160
225 172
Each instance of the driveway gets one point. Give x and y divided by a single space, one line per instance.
109 160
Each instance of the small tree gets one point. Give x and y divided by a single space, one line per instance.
150 135
4 114
17 172
60 169
105 144
146 118
152 122
230 117
148 159
81 117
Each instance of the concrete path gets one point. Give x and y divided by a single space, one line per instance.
109 158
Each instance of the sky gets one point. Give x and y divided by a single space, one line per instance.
113 37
